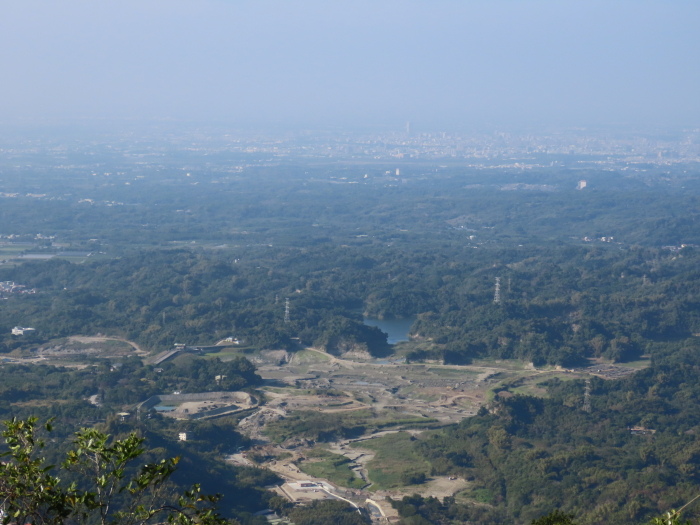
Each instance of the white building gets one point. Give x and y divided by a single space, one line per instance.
18 330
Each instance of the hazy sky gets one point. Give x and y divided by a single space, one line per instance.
353 62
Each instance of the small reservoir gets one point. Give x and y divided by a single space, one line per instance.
397 329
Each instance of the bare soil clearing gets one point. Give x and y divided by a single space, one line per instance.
315 381
72 351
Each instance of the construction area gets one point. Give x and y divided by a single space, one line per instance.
314 380
72 351
416 397
206 405
384 403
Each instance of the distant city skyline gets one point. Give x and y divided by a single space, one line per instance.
438 65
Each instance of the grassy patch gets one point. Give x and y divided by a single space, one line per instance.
464 496
465 402
529 390
456 373
510 364
306 357
365 399
482 495
318 426
11 251
534 385
279 389
395 461
341 404
227 353
333 467
72 258
327 427
644 362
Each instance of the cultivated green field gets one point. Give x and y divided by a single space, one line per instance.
333 467
395 463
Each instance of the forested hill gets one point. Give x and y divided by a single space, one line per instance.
158 253
304 203
634 456
602 271
558 304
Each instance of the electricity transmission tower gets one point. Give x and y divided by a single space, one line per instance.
286 310
497 292
587 397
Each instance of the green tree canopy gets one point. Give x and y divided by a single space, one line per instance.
107 488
